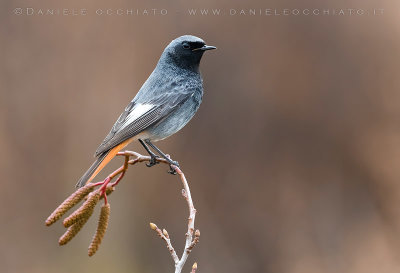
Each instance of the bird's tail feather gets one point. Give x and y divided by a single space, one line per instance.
88 174
101 161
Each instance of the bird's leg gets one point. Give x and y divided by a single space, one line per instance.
153 156
171 171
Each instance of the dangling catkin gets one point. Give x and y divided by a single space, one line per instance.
84 211
72 231
71 201
101 229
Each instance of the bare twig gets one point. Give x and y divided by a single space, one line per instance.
78 218
190 242
165 236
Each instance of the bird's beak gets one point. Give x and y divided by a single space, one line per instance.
204 48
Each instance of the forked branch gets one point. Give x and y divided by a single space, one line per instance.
93 192
190 241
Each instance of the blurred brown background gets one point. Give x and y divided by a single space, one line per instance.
293 158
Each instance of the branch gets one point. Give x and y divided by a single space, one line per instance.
190 242
165 236
78 219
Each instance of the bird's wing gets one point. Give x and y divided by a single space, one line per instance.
139 116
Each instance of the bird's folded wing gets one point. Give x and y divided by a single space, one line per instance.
139 116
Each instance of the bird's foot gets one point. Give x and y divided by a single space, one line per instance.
171 169
153 161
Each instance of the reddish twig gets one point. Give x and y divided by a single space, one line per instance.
77 219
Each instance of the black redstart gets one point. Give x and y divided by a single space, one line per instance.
164 104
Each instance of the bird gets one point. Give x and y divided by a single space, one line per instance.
165 103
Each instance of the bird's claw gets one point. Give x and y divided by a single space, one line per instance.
153 161
171 169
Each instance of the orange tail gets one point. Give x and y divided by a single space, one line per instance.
101 161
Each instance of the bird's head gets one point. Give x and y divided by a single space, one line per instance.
186 51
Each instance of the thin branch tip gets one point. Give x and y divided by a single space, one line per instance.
80 216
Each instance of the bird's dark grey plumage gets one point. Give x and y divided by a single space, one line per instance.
164 104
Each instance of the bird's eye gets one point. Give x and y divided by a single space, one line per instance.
186 45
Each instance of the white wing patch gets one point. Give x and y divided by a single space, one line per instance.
137 111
